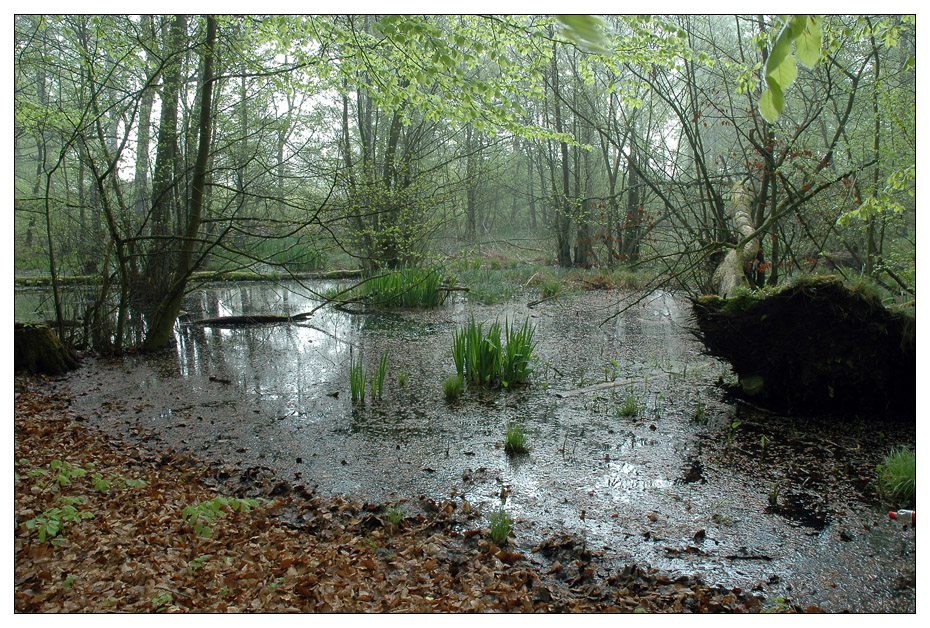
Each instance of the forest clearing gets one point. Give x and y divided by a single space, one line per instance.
373 313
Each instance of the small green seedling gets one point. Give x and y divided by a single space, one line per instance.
515 440
500 527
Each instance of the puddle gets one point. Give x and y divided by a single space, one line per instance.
657 488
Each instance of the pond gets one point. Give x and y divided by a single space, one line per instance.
692 482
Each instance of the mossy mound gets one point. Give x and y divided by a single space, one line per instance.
815 346
38 350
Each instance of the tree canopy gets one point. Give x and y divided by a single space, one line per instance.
150 148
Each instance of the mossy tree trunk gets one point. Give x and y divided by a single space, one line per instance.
38 350
730 273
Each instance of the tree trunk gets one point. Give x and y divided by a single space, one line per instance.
563 212
731 273
37 349
164 184
161 330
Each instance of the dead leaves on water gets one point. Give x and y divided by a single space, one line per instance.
297 552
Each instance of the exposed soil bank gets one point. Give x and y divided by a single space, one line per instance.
674 486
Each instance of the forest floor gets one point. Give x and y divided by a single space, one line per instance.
120 535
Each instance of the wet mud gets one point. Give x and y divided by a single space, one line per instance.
693 482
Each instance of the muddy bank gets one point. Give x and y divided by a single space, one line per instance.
673 485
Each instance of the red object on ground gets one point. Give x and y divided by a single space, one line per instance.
904 515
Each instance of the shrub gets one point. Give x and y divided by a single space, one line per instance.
897 477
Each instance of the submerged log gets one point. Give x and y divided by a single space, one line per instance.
815 346
247 320
37 349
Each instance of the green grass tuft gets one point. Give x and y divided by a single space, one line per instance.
630 406
500 527
897 477
452 387
515 440
402 288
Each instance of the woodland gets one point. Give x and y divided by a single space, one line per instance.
149 148
760 170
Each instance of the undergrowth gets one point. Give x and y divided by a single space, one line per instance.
897 477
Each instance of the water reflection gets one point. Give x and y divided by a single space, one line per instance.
279 396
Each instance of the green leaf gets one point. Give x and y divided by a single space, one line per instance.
808 43
771 103
584 30
782 73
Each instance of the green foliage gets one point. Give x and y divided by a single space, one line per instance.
103 484
899 184
162 600
630 406
500 527
731 433
516 362
780 67
209 510
584 30
64 471
452 387
477 354
377 380
49 524
357 380
515 439
404 288
483 358
394 516
774 491
897 477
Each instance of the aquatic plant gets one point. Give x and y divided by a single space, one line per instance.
516 362
630 406
482 358
402 379
401 288
897 476
515 439
377 380
459 346
452 387
357 381
500 527
478 352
